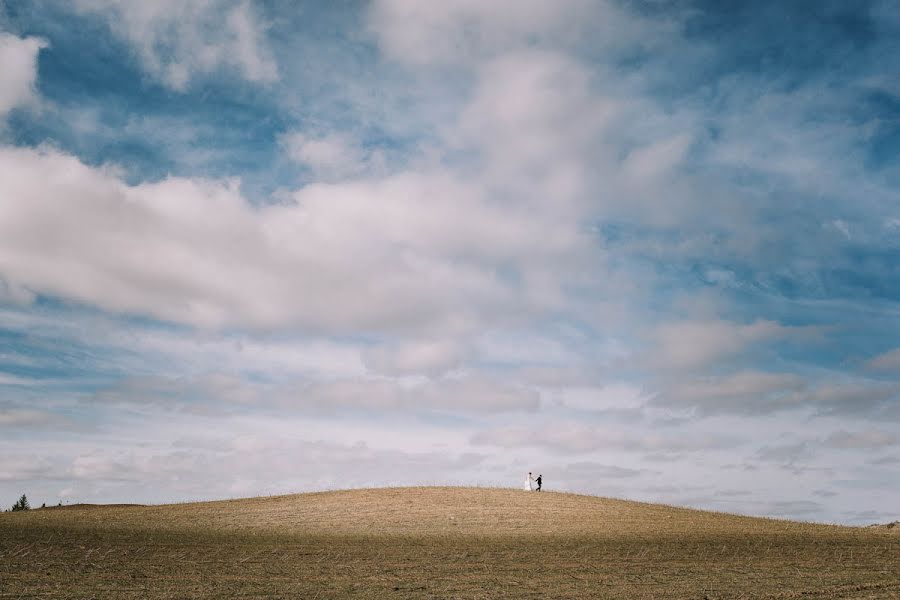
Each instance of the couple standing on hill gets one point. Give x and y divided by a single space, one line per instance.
529 483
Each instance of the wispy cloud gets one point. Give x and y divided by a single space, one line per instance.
178 40
889 361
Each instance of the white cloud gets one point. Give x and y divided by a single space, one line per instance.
29 418
437 250
743 392
19 73
136 347
14 294
862 398
689 345
786 453
179 39
7 379
220 394
840 226
413 250
243 458
760 393
332 157
650 163
454 395
94 467
18 467
431 357
811 449
535 122
764 135
458 32
576 438
612 396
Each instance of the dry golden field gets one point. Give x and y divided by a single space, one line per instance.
435 543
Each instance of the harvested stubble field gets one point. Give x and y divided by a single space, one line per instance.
435 543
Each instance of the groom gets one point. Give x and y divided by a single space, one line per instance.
538 481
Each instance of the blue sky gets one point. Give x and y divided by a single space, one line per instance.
648 250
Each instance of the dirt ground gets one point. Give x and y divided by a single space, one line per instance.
435 543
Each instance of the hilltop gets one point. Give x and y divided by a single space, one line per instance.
419 511
435 542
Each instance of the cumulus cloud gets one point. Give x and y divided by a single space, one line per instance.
536 124
177 40
333 156
434 250
433 246
409 251
19 74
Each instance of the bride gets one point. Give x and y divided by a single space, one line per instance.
529 483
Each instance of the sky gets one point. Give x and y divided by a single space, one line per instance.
650 250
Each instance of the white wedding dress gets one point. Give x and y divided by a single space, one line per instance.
528 484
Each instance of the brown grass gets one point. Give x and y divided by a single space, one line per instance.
435 543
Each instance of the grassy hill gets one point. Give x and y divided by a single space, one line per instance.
435 543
